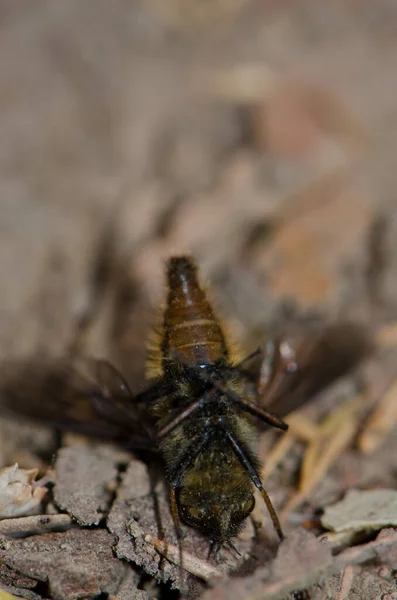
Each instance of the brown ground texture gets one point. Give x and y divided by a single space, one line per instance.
260 137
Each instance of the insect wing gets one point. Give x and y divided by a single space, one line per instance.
85 395
292 371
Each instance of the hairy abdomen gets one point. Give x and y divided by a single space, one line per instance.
190 331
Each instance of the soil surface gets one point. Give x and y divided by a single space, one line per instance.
260 137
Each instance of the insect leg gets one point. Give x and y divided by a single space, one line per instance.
188 458
175 513
255 410
190 455
175 421
184 414
262 414
253 473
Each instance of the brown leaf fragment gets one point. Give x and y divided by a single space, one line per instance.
135 482
9 577
131 521
370 509
300 561
128 588
76 564
383 547
14 593
132 500
356 583
389 557
85 477
301 551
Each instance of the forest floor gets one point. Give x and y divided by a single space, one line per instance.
260 136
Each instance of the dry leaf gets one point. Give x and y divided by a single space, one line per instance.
372 509
85 477
20 494
77 564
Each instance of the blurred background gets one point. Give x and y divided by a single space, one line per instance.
258 135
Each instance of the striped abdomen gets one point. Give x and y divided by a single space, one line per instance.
191 332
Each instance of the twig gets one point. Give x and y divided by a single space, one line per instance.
381 422
200 568
339 430
34 525
280 449
347 582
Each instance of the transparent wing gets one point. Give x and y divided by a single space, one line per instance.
289 372
85 395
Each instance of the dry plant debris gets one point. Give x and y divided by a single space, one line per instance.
20 493
86 478
370 509
202 569
381 422
194 188
302 562
34 525
74 564
325 443
128 588
334 435
15 583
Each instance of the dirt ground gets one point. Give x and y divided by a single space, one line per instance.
259 136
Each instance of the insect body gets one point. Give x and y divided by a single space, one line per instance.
205 425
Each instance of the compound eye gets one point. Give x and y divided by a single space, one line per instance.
248 506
